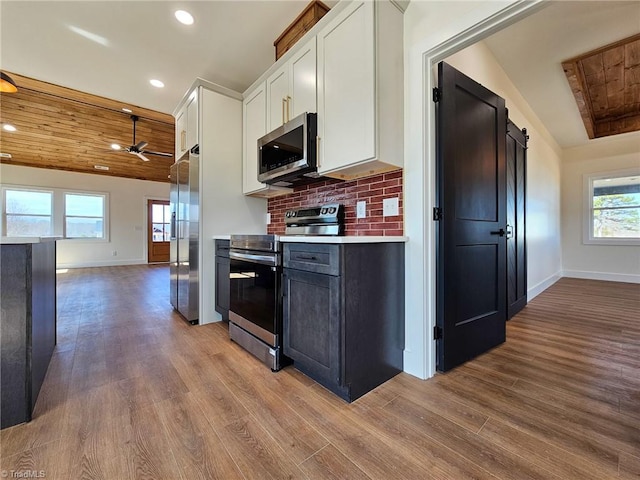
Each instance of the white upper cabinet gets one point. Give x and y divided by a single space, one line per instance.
360 82
278 94
254 122
291 89
187 125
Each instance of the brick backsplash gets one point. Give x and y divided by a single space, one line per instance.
371 189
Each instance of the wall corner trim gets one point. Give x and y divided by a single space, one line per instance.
543 285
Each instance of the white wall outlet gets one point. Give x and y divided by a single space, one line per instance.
390 207
114 253
361 209
268 218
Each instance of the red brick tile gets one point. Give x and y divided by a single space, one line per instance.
390 175
391 190
393 233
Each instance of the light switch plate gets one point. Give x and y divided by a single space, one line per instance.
390 207
361 209
268 218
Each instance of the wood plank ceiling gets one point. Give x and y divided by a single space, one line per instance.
64 129
606 85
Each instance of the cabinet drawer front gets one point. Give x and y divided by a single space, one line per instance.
311 257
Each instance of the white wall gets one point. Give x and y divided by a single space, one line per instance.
127 213
432 30
604 262
544 249
224 210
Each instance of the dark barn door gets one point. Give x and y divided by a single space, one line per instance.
471 299
516 208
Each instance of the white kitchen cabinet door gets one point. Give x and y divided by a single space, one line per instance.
181 133
347 89
291 90
192 121
255 126
277 97
187 126
302 81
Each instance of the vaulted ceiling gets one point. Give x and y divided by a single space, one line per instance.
64 129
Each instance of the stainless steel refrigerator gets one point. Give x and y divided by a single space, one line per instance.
183 253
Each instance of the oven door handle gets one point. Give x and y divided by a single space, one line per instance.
262 259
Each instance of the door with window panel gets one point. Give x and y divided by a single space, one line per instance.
159 231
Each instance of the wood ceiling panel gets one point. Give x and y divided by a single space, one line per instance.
60 128
606 86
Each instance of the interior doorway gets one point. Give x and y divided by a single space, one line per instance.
158 231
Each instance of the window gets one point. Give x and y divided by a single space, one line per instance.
38 212
84 215
613 201
28 213
161 218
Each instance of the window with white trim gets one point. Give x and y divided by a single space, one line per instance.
84 215
39 212
613 204
27 212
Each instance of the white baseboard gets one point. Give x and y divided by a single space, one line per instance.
106 263
607 277
542 286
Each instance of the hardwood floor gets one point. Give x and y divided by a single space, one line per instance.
133 391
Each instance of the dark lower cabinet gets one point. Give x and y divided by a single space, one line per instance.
222 279
27 326
343 313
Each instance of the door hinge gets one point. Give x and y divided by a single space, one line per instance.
437 94
437 333
437 214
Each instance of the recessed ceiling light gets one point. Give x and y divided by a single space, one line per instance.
115 146
9 128
156 83
128 110
101 167
184 17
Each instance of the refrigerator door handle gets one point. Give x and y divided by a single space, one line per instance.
172 235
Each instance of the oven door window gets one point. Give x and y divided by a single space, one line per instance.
254 293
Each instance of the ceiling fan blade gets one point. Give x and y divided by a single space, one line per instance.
140 145
142 156
159 154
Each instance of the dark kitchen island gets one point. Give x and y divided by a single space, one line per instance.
27 323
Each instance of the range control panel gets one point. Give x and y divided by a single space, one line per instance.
321 220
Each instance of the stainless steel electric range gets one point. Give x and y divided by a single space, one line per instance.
255 313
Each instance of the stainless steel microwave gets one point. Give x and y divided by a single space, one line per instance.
287 156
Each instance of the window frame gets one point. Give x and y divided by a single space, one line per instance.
587 223
5 188
105 215
58 219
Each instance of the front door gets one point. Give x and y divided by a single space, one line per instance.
471 233
158 231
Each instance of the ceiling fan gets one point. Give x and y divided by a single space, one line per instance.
138 148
